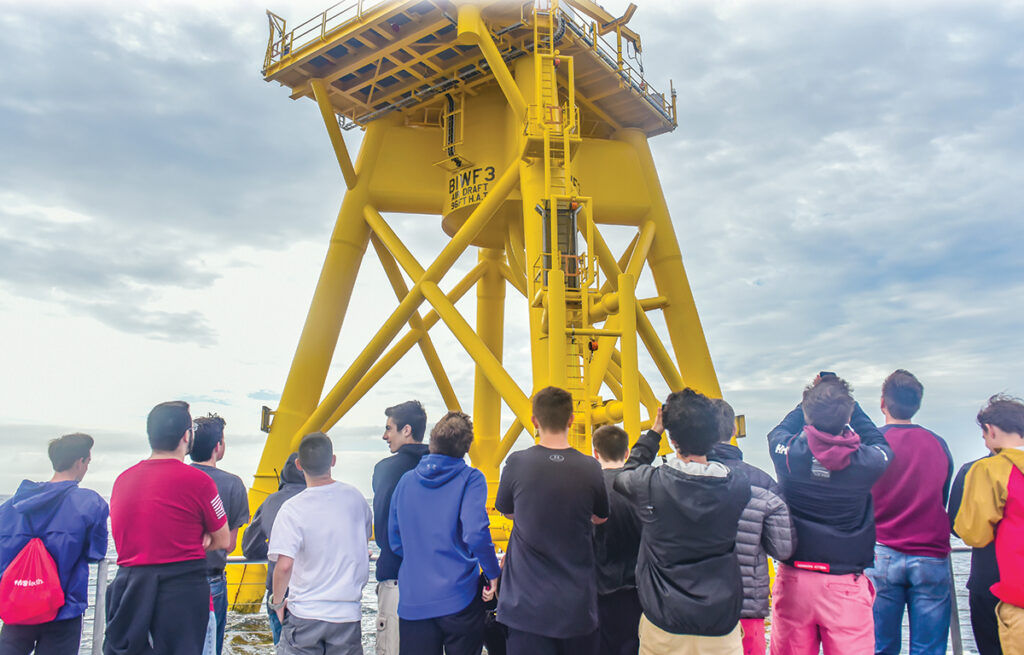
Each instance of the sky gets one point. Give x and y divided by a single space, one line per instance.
845 183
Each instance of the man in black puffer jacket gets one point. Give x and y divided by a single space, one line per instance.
765 529
687 574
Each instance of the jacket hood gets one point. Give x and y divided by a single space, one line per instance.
39 501
1015 455
832 450
291 474
437 470
726 452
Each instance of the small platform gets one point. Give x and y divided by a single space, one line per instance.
378 57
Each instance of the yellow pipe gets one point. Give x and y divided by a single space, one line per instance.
399 350
610 412
638 257
444 385
308 372
472 30
507 441
630 359
516 279
323 101
490 316
557 355
388 237
476 222
496 374
666 262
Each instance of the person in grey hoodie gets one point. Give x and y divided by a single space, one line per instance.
765 529
257 535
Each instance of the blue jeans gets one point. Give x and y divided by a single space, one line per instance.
219 591
275 623
920 584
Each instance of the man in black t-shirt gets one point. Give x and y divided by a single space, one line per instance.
207 450
548 591
616 545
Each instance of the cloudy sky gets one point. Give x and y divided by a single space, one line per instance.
845 181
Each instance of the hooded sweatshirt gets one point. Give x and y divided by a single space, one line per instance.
439 527
71 521
687 574
993 508
826 480
257 534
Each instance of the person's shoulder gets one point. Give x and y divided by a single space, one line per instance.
386 464
89 498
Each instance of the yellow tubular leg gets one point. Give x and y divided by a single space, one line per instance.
557 355
490 315
666 264
630 359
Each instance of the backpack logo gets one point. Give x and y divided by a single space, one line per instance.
30 591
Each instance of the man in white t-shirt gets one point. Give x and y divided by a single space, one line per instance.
319 543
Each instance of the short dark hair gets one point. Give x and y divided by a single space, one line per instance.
611 442
315 453
67 450
552 407
1004 412
726 418
692 420
167 423
409 413
902 393
828 404
208 432
452 435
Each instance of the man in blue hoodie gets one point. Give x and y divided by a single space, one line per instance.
439 527
72 522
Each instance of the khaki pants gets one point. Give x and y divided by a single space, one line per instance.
655 641
1011 628
387 617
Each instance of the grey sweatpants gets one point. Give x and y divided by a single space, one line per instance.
311 637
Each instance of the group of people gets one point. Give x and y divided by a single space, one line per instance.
622 552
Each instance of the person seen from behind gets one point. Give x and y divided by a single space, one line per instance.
827 455
984 574
439 527
993 510
616 545
548 591
403 431
165 516
765 528
318 544
208 449
687 573
911 527
257 535
72 524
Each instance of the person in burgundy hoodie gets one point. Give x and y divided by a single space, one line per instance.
827 455
912 527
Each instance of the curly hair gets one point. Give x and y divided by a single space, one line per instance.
1005 412
693 422
828 404
452 435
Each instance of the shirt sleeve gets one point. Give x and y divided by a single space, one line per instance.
476 532
254 540
600 490
97 548
211 505
238 512
285 538
984 499
504 500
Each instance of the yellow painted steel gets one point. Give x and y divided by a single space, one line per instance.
525 128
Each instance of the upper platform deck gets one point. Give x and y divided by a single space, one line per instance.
380 56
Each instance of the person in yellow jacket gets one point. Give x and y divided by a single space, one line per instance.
993 508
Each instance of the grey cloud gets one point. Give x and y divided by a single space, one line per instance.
265 394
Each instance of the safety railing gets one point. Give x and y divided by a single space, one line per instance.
284 42
253 630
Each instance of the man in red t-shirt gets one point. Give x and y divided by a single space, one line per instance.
164 516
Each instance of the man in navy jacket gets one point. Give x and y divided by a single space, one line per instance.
827 455
72 522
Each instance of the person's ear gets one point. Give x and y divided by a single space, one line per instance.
334 460
572 417
298 465
536 423
407 431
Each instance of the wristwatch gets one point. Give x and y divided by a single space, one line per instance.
276 606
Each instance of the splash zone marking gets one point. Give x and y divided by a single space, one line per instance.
469 186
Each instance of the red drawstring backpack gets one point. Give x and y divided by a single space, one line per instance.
30 591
